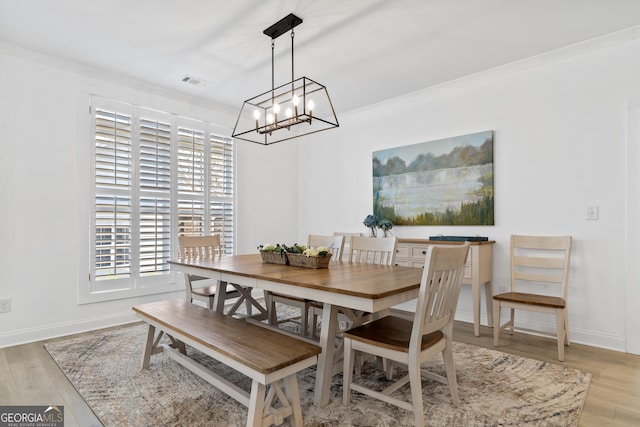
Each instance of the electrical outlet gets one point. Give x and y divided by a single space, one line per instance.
5 305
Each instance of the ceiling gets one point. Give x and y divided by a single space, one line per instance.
364 51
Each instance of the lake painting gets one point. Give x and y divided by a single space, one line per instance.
443 182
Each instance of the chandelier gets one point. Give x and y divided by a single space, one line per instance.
299 107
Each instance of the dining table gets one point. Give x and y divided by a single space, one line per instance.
364 287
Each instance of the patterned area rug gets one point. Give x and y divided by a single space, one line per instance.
496 389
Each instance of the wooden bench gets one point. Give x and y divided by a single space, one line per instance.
264 355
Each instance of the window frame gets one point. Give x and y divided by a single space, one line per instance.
95 290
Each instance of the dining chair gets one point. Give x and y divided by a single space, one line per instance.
336 243
538 265
207 248
369 250
413 342
347 241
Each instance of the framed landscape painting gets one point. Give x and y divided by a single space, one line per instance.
443 182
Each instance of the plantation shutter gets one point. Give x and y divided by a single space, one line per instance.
191 182
155 196
156 176
221 190
113 183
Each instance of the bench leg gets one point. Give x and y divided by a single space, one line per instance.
152 345
148 347
256 404
293 395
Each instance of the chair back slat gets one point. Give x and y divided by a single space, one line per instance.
372 250
439 290
540 278
557 243
539 261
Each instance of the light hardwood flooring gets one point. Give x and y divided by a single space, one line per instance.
28 376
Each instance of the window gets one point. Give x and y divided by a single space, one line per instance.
156 176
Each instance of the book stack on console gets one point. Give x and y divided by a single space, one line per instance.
459 238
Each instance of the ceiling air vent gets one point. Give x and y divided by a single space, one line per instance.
194 81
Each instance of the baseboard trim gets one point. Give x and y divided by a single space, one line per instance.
47 332
578 336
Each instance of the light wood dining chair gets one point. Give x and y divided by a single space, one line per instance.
538 264
202 248
413 342
369 250
336 243
347 241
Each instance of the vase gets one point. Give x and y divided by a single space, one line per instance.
372 232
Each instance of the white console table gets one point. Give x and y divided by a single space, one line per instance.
479 270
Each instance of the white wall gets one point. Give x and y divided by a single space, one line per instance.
559 146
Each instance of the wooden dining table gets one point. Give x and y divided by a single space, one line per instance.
370 288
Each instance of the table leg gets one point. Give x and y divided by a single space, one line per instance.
251 302
488 290
324 372
220 297
475 291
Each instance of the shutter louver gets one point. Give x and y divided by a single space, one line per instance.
221 167
113 237
190 218
155 156
191 170
155 236
113 150
222 223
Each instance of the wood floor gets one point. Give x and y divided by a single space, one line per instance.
28 376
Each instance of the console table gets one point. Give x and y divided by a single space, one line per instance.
412 252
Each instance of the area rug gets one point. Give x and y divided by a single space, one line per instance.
496 389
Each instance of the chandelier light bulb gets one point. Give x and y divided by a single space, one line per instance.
276 108
256 115
311 106
269 118
295 101
289 113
